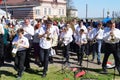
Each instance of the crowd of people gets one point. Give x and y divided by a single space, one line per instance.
83 38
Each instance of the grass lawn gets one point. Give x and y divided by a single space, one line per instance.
55 73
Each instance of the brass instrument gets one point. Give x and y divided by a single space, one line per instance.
48 35
15 48
112 38
48 38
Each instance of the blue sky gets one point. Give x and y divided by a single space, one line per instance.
95 7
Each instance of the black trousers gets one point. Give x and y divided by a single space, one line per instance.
111 49
66 51
44 58
27 58
19 61
1 50
80 53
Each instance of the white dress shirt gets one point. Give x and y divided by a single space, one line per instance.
107 37
81 39
82 27
75 26
67 36
1 29
44 43
98 32
28 31
23 41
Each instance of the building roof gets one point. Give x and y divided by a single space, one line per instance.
73 9
21 2
28 2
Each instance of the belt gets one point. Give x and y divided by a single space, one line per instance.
21 50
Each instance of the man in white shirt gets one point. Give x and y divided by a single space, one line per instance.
97 37
111 38
1 45
45 35
66 39
81 26
28 33
81 41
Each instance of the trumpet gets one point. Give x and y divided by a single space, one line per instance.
112 38
48 38
48 35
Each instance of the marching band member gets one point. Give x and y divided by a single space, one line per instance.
80 26
111 38
45 35
1 45
28 33
89 38
22 44
54 39
81 41
36 41
66 38
97 42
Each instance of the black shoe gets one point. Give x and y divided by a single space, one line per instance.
19 77
40 65
104 72
92 59
43 75
66 63
99 63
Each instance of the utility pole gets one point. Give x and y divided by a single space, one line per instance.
6 9
103 12
113 13
86 11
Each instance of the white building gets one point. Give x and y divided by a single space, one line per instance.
73 13
36 8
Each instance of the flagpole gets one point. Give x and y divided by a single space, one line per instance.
6 9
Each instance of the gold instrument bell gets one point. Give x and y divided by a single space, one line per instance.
48 38
112 38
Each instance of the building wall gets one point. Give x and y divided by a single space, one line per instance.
44 8
73 13
21 13
48 8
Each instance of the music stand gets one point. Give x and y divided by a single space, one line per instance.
63 66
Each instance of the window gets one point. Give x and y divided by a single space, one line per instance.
45 11
59 11
37 12
62 11
49 11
